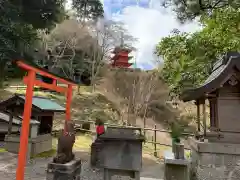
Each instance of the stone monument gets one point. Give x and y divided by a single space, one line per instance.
64 165
216 149
121 152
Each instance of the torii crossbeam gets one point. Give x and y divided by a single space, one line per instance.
31 81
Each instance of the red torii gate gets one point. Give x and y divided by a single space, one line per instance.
31 81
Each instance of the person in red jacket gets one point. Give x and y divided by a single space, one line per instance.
99 127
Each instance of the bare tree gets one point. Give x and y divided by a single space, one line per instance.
108 35
144 87
66 48
143 93
87 47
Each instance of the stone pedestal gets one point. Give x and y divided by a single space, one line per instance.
176 169
215 160
108 173
96 148
122 152
68 171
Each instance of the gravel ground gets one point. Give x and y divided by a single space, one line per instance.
36 169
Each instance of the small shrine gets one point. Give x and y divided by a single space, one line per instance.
43 110
15 128
31 80
215 150
121 152
121 58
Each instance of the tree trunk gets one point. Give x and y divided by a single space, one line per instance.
2 74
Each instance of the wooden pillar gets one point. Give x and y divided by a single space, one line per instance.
204 117
54 82
23 148
10 122
198 116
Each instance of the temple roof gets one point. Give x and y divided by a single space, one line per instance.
118 49
118 57
219 74
16 119
39 103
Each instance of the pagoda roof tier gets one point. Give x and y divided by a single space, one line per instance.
119 49
120 55
122 66
117 57
121 63
222 69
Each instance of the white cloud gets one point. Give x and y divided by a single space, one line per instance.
149 25
68 4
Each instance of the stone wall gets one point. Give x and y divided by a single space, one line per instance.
215 161
36 145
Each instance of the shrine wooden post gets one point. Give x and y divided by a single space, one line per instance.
31 81
25 125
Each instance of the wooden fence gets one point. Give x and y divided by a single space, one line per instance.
153 141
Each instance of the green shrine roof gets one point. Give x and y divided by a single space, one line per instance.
45 104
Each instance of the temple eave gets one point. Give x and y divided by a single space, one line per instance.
191 95
124 50
120 57
217 78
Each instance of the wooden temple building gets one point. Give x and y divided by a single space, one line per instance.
121 58
216 150
43 110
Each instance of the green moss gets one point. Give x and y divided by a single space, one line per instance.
188 154
45 154
2 150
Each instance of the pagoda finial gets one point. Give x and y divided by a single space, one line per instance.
121 38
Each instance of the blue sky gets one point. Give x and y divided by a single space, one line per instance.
148 22
117 6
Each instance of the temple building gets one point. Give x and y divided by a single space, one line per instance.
215 150
41 123
121 58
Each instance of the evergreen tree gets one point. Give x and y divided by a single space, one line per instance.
188 58
190 9
41 14
88 9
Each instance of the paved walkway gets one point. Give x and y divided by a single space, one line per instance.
36 169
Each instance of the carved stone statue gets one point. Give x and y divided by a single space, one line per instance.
66 141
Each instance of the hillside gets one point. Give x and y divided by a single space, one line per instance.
145 95
121 96
85 106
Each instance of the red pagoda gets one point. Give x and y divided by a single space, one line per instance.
121 58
